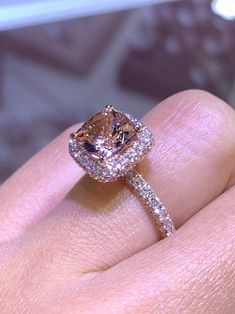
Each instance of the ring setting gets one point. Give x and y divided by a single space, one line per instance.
108 146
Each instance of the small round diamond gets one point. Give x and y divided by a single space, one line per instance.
73 147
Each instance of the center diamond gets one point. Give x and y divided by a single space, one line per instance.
105 134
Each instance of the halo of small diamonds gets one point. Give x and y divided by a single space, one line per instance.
121 162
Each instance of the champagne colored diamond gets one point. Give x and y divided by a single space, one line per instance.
106 134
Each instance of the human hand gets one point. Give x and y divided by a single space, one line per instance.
73 245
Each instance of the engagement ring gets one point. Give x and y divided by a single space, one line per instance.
108 146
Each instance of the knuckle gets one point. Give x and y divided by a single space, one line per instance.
205 102
207 117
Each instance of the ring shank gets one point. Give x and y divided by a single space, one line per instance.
146 194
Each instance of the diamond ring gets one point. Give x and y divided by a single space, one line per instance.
108 146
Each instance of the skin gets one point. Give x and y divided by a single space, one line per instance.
73 245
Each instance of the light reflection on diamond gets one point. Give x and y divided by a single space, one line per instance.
105 134
107 162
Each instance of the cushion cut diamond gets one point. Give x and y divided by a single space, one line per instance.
109 144
105 134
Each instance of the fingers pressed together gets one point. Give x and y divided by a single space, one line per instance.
89 247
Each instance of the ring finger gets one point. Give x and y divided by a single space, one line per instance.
98 225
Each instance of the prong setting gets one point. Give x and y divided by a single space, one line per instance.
108 108
108 146
120 162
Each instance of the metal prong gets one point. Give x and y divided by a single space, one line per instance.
108 108
71 136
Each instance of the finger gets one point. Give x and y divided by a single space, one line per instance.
36 188
192 272
191 164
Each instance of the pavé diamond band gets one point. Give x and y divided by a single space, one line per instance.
108 146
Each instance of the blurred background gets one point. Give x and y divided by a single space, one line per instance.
61 61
